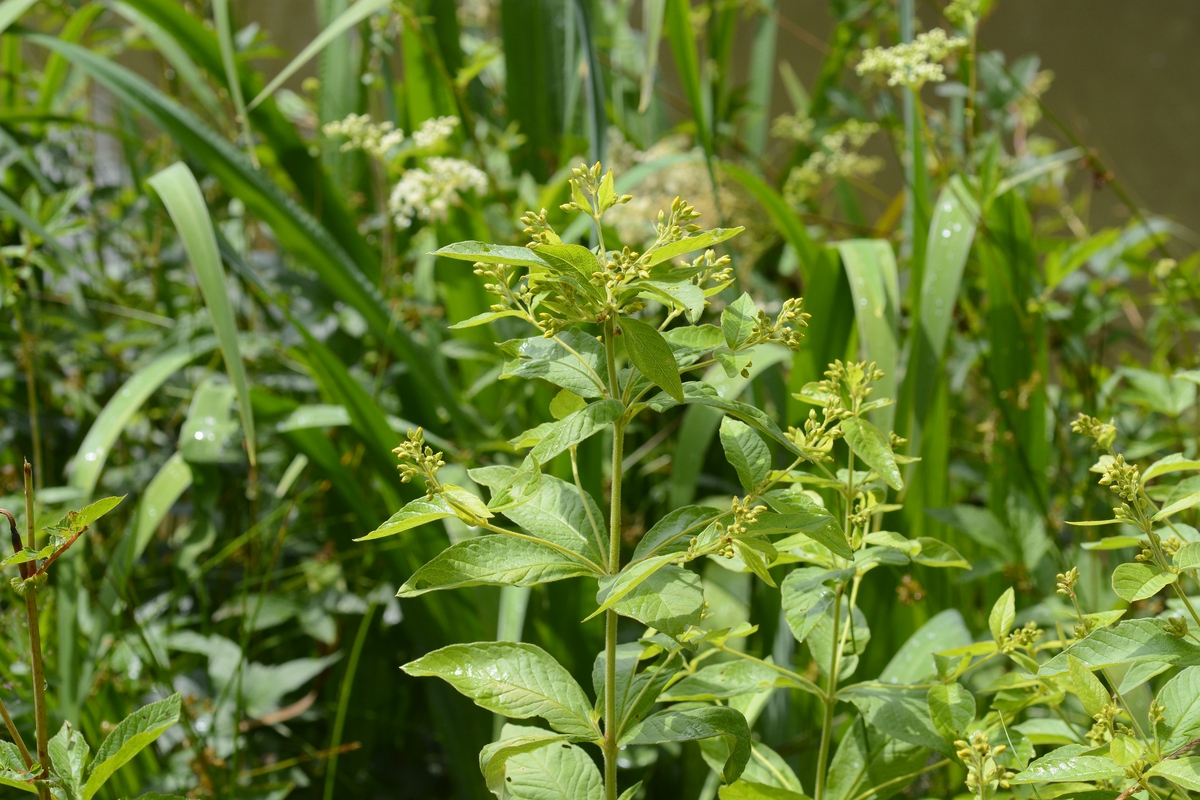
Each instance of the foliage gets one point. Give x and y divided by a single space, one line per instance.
221 301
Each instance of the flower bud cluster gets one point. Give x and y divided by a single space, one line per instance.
1065 584
1124 479
676 225
785 329
815 441
376 139
417 460
984 775
1022 638
913 64
1104 433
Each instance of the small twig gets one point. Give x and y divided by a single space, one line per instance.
40 712
54 556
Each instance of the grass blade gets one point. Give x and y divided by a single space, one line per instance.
874 282
11 11
100 438
762 78
652 27
185 202
344 22
224 27
683 45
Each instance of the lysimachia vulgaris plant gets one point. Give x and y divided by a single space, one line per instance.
619 334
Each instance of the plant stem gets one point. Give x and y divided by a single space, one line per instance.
830 698
611 733
40 712
16 735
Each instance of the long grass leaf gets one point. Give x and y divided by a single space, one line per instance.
11 11
874 282
762 78
295 229
185 202
652 27
55 71
224 26
344 22
687 62
111 422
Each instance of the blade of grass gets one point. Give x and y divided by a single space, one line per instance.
12 10
55 71
652 28
762 78
342 23
687 62
224 26
338 96
185 202
111 422
597 116
339 720
874 282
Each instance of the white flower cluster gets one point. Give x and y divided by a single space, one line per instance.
361 133
913 64
836 157
428 194
434 131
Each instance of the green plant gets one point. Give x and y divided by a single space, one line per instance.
62 766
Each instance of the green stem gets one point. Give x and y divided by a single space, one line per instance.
40 713
830 699
339 722
611 731
16 735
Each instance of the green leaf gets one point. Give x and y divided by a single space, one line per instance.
128 739
806 596
493 560
558 771
1184 771
514 740
745 790
668 598
1180 699
1138 581
571 258
952 709
651 354
899 712
556 512
1091 691
566 403
696 241
208 428
570 431
1114 543
683 295
76 521
344 22
1176 462
936 553
1003 616
1071 762
513 679
738 321
1188 556
68 758
699 723
185 202
120 409
746 451
486 317
868 443
874 282
415 513
672 533
1179 505
722 681
636 692
493 254
1131 640
701 393
870 764
11 11
572 360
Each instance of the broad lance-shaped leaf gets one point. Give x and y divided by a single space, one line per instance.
1186 557
1091 691
651 354
900 713
577 427
185 202
1176 462
68 758
636 692
417 512
869 444
1131 640
571 360
571 258
76 521
1003 616
560 771
672 533
1072 762
738 321
128 739
750 790
689 244
1139 581
492 254
514 740
699 723
1183 772
1179 505
746 451
669 600
700 393
722 681
1180 699
493 560
556 512
513 679
806 595
952 709
13 770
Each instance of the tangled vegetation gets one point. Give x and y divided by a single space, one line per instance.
699 452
